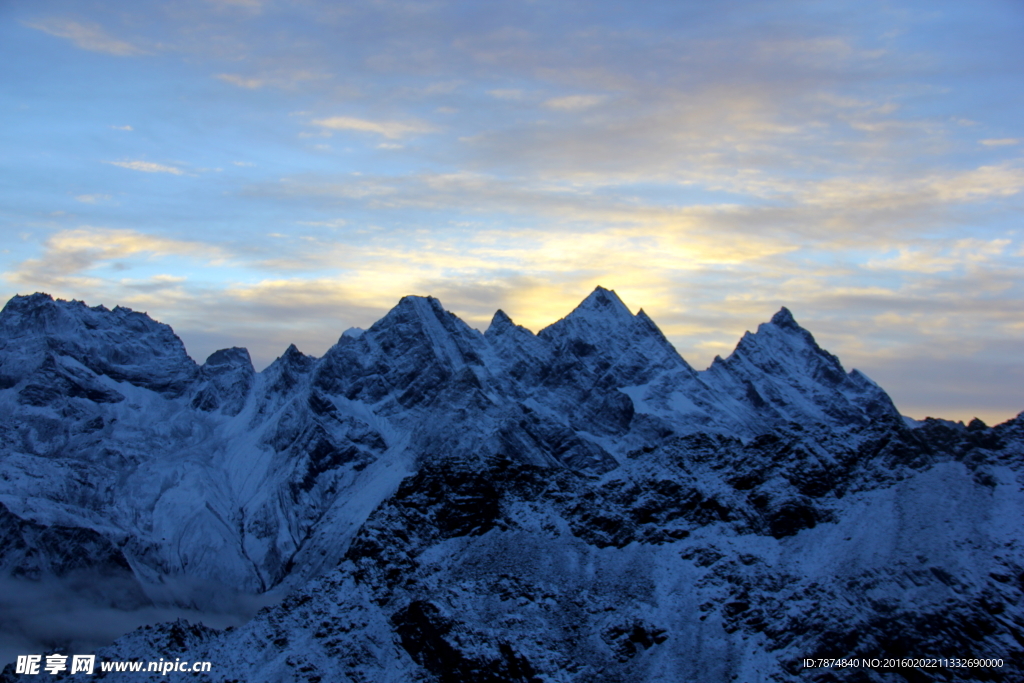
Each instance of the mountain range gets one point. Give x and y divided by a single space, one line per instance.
427 502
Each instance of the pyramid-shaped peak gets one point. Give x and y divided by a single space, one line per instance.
293 353
784 318
600 315
604 301
292 357
411 306
782 335
501 319
422 322
501 324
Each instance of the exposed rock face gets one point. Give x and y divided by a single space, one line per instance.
446 505
226 379
120 344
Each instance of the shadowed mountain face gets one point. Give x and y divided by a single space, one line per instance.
442 504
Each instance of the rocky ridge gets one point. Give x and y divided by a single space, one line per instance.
575 505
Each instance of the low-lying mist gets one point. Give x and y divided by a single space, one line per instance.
81 612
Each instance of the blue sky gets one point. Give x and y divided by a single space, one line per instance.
257 173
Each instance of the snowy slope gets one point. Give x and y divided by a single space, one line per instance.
576 504
669 568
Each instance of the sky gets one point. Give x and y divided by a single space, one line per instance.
260 172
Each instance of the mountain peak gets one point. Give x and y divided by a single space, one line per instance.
781 337
606 301
410 308
601 310
501 318
294 358
414 300
234 356
122 344
502 324
292 354
784 318
423 322
29 300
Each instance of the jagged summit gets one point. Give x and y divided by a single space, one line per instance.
425 312
784 318
601 308
234 356
500 318
598 315
121 344
574 505
780 370
606 301
503 331
782 339
293 351
777 373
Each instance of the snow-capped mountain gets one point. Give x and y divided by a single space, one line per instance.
442 504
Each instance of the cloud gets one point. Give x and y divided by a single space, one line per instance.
93 198
1000 142
574 102
832 213
952 187
88 36
86 610
285 79
127 128
943 258
506 94
390 129
985 182
241 82
335 223
69 254
147 167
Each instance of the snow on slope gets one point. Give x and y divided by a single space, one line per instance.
669 568
552 470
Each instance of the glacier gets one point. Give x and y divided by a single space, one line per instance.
429 502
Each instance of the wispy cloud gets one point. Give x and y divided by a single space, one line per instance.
126 128
574 102
939 258
69 254
242 82
1000 142
285 79
389 129
92 198
506 94
957 186
147 167
336 223
88 36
